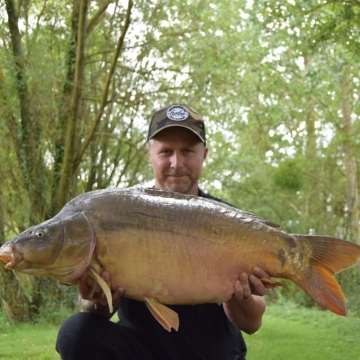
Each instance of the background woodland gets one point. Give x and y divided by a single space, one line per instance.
277 82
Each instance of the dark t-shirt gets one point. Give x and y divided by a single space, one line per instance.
205 332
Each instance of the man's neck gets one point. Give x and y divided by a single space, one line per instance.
192 191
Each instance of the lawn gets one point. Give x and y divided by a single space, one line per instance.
25 341
288 332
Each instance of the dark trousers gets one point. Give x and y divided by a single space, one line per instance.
92 337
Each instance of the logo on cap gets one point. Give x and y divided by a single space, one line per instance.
177 113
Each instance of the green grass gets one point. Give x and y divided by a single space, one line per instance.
26 341
288 332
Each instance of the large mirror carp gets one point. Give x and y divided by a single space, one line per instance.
168 248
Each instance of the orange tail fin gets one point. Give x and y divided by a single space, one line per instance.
329 256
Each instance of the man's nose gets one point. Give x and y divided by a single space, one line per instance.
176 161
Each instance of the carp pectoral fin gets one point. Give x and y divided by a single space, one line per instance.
329 256
165 316
270 284
95 276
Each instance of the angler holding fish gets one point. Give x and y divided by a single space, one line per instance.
168 259
176 144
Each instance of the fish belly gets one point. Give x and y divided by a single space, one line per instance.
178 269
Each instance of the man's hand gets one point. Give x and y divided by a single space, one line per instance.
244 309
251 285
92 298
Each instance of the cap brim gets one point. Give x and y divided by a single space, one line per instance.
177 125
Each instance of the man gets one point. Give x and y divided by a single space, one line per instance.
176 145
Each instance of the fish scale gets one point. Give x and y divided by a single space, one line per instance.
167 248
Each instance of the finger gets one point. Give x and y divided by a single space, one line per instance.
238 293
258 285
244 280
260 273
117 294
88 290
82 284
95 292
116 297
106 277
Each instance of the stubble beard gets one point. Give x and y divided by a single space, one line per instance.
183 187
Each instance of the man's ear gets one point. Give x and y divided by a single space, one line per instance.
206 149
148 148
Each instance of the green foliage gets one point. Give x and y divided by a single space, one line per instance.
51 299
274 81
54 315
350 283
288 175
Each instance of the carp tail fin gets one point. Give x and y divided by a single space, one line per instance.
329 256
165 316
97 278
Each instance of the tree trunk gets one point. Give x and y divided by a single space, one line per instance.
352 194
27 132
67 167
72 155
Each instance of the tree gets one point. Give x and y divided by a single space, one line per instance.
277 83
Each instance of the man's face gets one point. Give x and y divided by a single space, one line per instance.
177 156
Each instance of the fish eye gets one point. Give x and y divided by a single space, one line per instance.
40 233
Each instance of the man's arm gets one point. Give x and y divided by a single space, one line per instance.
247 306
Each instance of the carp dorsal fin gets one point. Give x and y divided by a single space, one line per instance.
97 278
165 316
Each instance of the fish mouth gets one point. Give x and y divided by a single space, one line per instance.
10 257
